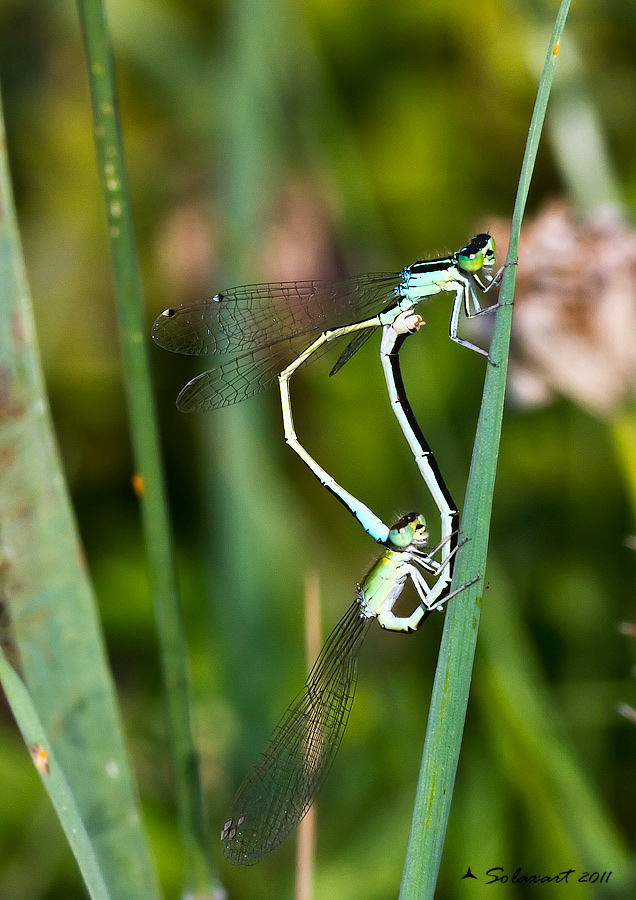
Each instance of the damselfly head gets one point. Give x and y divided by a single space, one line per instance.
478 253
410 529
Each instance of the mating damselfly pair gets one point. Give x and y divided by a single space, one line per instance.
263 333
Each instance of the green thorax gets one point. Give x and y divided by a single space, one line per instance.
383 582
385 579
432 276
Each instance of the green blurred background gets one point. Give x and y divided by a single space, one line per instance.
268 140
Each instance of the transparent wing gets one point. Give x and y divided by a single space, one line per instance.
352 347
281 787
239 377
257 315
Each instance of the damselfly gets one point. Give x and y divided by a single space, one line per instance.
259 329
256 330
281 786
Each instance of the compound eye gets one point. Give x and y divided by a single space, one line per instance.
409 528
477 254
471 262
401 537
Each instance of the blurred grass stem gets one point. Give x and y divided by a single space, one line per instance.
53 780
50 623
306 842
144 433
452 680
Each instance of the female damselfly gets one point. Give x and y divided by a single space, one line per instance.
281 786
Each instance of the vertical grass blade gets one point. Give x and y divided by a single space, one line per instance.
452 680
53 779
144 432
46 595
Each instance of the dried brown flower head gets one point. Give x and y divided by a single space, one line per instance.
574 325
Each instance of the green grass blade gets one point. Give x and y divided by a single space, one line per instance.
53 780
47 597
452 681
144 432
